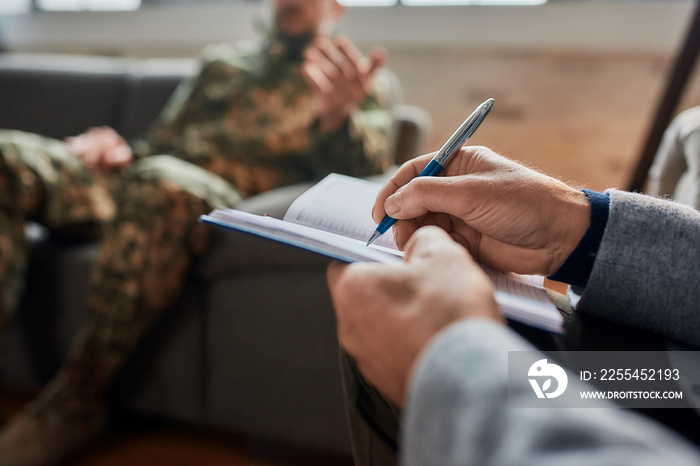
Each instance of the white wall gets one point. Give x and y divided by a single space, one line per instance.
182 30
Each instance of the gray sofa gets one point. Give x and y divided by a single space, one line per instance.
251 346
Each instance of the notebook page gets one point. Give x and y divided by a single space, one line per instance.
302 236
522 298
342 205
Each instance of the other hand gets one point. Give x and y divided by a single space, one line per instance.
508 216
340 78
101 149
387 314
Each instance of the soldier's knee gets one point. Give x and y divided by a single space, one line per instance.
149 197
14 137
4 141
178 177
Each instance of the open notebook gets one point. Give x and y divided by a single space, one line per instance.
333 218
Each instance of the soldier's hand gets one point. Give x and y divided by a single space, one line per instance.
101 149
340 78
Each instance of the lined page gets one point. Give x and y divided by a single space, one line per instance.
522 298
333 218
301 236
340 204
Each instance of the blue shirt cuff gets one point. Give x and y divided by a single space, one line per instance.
578 266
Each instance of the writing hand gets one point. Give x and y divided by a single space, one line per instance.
387 314
508 216
340 78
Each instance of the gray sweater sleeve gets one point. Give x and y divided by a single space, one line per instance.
647 272
458 412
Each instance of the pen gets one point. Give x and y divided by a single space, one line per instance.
439 162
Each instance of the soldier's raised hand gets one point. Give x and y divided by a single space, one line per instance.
340 77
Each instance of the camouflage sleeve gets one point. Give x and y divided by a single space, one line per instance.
187 102
361 147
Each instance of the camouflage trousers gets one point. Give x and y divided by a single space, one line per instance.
145 219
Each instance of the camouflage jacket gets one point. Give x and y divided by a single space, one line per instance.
247 117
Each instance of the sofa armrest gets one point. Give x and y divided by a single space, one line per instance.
273 203
233 252
411 126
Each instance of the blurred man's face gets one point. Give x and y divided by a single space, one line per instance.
303 18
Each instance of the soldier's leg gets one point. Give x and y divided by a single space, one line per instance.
144 255
40 180
20 192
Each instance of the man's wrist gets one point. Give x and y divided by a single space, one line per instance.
578 266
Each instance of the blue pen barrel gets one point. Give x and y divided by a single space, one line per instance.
432 169
385 224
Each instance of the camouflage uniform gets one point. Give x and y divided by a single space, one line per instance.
243 125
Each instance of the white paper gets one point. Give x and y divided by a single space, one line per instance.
334 218
342 205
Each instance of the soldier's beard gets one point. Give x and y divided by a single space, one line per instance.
294 46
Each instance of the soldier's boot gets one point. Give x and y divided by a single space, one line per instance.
143 258
70 413
3 319
54 426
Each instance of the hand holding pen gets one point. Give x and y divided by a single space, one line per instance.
507 216
442 157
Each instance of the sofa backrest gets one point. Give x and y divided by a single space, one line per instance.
149 85
63 95
59 96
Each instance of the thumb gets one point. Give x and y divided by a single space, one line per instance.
426 194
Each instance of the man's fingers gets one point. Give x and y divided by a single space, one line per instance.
118 157
430 243
333 273
91 157
350 60
316 78
377 59
427 194
349 50
403 175
323 64
329 59
403 231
